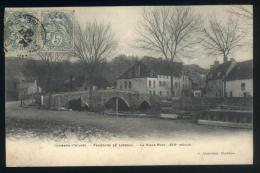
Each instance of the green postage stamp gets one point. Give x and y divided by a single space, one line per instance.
32 31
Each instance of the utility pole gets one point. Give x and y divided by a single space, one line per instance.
116 106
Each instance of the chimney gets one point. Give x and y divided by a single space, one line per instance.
216 63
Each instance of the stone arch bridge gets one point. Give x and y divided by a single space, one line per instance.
131 99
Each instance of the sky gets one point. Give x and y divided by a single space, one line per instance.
124 21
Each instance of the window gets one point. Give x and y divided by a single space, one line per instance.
231 94
154 93
160 93
125 84
154 83
160 83
167 93
120 85
243 86
150 84
150 92
137 71
164 83
129 84
176 85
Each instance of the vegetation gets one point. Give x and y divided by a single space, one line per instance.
69 76
222 39
92 45
171 32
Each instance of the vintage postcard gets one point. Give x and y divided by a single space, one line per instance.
140 85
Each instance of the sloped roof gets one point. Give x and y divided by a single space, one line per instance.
26 84
150 67
145 71
219 71
242 70
163 67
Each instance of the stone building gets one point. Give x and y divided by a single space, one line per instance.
154 78
240 80
236 74
26 88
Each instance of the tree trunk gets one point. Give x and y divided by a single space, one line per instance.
50 94
172 92
224 87
224 79
172 73
49 86
225 59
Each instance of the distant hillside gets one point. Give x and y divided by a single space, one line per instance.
160 66
196 68
16 69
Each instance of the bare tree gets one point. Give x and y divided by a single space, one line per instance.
242 11
245 14
93 45
170 32
50 61
220 39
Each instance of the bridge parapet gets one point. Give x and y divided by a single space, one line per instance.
100 97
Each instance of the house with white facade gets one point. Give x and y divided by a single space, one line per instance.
197 93
25 88
239 82
153 77
238 77
215 78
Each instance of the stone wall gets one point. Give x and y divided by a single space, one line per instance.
100 97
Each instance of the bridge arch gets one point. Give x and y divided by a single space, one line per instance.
144 105
78 104
123 104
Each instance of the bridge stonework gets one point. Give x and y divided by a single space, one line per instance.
99 98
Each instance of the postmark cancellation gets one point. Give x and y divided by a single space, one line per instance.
27 32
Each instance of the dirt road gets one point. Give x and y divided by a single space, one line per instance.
62 124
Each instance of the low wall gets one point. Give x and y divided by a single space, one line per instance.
200 104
